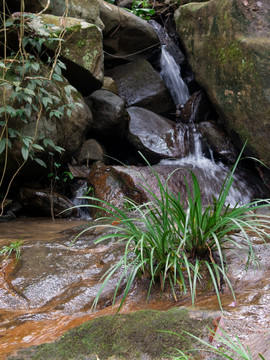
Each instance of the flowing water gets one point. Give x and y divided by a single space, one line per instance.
171 75
51 289
211 174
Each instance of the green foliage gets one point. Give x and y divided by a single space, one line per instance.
31 86
63 176
143 9
13 248
30 81
170 241
140 8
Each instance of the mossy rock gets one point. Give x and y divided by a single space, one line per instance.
82 9
81 51
228 48
141 335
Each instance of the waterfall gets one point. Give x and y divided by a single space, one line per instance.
211 174
171 75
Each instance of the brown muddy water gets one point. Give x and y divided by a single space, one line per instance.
51 288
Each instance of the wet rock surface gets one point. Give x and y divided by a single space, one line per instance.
217 140
43 202
155 136
114 183
196 109
52 274
140 85
51 289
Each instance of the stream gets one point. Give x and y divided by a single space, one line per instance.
51 288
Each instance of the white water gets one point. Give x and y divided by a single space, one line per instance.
210 174
171 75
78 201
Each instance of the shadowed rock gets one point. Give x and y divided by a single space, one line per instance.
108 111
126 34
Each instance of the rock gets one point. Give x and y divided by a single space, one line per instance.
217 140
155 136
38 202
140 85
10 208
66 131
91 151
125 4
113 184
55 274
81 51
228 47
126 34
81 9
77 171
108 111
196 109
110 85
126 336
167 41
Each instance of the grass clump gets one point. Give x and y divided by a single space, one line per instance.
13 248
172 241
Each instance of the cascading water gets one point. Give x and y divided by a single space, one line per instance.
170 69
171 75
211 175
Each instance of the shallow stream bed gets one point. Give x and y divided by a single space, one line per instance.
51 288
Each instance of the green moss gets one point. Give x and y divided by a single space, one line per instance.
81 43
123 336
89 57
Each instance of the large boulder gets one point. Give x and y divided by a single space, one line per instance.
155 136
82 9
140 85
227 43
125 34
